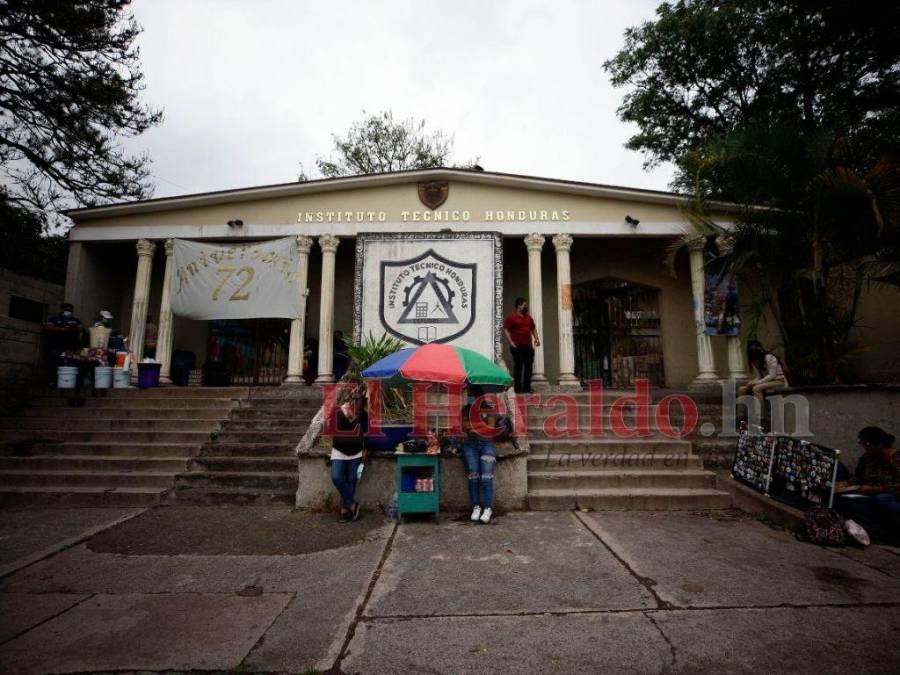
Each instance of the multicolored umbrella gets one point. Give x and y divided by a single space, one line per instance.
441 363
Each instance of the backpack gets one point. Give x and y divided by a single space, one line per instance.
825 527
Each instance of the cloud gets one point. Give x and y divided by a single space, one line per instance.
250 90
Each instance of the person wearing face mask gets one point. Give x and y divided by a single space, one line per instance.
64 331
521 333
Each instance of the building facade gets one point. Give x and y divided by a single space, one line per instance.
590 258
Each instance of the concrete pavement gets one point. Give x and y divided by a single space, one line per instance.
566 592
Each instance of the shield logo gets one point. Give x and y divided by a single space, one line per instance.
433 193
428 298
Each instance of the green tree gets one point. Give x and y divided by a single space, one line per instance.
789 110
26 248
380 144
70 85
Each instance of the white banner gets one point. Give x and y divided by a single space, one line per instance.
237 281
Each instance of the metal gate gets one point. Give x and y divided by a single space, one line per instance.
617 332
252 351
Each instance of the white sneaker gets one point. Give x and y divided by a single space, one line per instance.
486 516
476 514
857 532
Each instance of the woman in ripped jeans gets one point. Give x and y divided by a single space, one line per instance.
480 457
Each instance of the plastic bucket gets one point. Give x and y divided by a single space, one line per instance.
66 377
103 377
121 378
148 375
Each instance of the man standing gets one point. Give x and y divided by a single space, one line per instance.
521 333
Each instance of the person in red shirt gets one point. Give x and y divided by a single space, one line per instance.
521 333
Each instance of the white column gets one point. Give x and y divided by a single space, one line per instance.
145 251
737 368
328 243
295 351
563 244
534 243
706 365
166 320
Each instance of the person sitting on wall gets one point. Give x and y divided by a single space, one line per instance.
64 332
479 455
870 495
348 454
769 373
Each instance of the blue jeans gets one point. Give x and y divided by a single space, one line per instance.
480 457
343 475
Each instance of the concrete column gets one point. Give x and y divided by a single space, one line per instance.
295 351
145 249
534 243
75 278
166 320
563 244
737 367
706 365
328 243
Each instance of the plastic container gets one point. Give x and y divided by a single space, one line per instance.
103 377
120 359
99 336
121 378
148 375
66 377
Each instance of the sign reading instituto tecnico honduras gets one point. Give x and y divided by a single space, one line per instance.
236 281
430 287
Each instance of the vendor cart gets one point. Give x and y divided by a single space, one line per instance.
418 484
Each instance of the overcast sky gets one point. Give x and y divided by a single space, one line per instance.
251 89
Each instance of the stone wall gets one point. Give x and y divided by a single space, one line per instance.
21 342
315 490
838 412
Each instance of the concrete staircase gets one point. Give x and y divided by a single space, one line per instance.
613 473
120 447
251 459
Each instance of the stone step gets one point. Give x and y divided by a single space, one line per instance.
277 425
628 461
99 479
280 404
251 416
606 446
538 433
187 438
244 464
588 479
177 392
131 402
286 437
236 495
170 465
122 449
64 424
265 480
218 449
79 496
56 412
619 499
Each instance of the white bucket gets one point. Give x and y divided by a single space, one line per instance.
103 377
66 377
121 378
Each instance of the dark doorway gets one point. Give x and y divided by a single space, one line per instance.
617 332
250 351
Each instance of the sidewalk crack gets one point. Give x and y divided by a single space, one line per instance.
648 583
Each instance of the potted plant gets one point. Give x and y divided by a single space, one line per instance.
396 403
